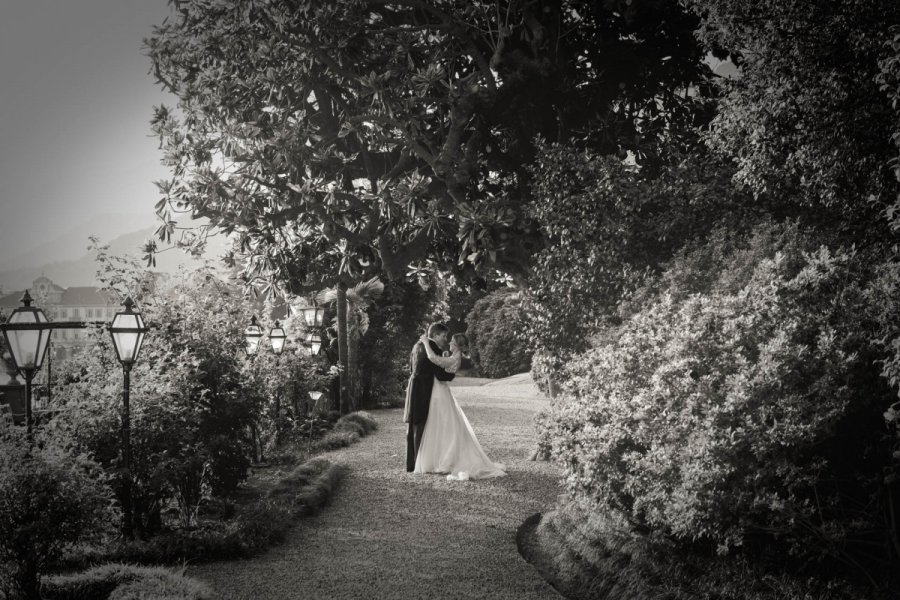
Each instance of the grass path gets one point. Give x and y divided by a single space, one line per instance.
392 534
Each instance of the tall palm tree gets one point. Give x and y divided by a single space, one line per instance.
359 298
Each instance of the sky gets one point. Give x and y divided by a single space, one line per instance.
76 99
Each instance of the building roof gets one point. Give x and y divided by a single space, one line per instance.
73 296
85 296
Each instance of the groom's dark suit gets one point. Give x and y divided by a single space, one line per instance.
423 372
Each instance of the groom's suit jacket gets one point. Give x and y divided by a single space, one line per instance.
423 372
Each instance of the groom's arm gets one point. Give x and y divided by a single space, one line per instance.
442 375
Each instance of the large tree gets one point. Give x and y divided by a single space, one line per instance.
339 140
361 136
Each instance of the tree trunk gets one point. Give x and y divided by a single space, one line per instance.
353 362
342 346
28 580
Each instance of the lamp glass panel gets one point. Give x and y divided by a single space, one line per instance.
127 342
315 395
28 346
252 335
277 336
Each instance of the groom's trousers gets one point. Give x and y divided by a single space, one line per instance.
413 440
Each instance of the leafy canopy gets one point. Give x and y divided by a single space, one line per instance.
366 136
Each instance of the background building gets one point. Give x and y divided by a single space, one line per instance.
85 303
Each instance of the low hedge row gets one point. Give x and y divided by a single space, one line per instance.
117 581
587 555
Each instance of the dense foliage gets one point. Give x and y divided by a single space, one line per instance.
50 498
201 411
395 323
717 385
610 225
496 333
365 135
741 396
805 119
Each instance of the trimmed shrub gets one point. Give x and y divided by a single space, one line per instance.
50 499
255 527
588 555
366 424
118 581
740 405
496 333
336 440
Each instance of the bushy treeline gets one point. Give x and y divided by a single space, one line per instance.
200 412
744 393
741 394
720 333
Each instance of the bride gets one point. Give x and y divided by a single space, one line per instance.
448 443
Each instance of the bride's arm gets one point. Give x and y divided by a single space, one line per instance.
448 363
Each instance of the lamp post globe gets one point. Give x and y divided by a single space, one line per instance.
127 331
314 342
27 334
252 335
277 337
313 315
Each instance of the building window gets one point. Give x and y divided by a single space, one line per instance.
64 313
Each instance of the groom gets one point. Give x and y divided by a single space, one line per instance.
418 398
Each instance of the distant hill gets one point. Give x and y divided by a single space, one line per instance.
75 241
81 271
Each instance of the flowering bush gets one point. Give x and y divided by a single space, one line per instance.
496 333
747 401
50 498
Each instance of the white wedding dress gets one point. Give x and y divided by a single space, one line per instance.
448 442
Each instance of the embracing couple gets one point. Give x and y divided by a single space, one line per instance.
439 438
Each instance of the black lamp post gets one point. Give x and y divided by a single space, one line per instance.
127 331
252 335
314 396
27 332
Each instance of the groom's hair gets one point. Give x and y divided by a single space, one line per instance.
437 329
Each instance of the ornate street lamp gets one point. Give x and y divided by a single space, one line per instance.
252 335
26 332
277 337
314 342
127 331
313 315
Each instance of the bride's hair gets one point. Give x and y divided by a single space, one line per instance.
461 340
